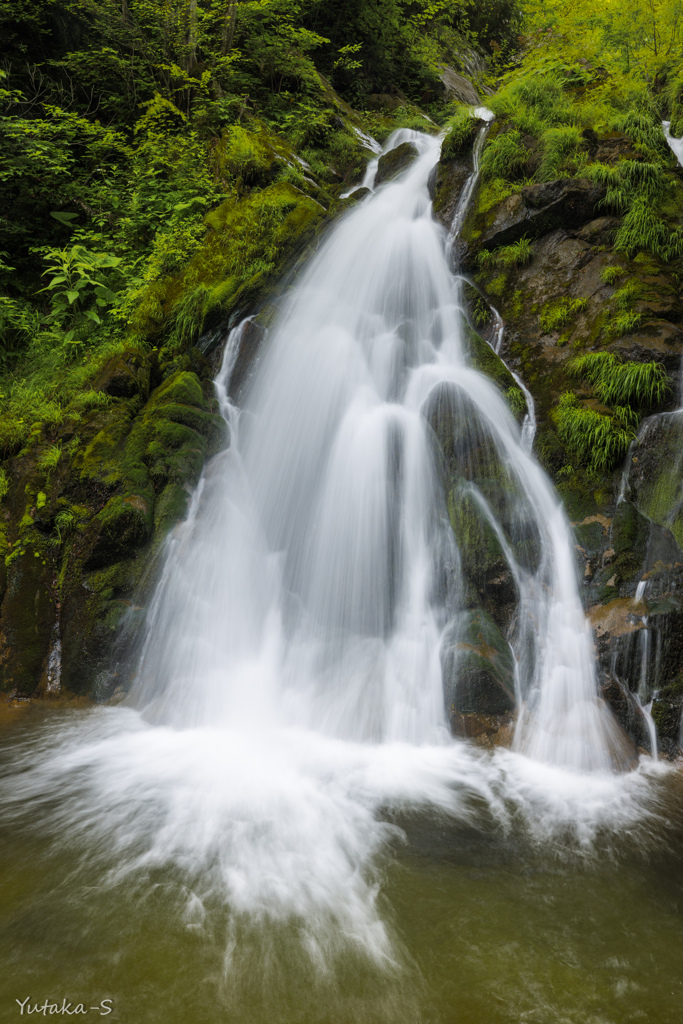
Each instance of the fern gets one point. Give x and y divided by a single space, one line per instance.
620 384
610 275
560 313
516 255
598 440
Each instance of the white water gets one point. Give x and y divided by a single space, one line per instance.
675 144
290 685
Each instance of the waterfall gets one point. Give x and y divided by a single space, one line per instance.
317 572
288 715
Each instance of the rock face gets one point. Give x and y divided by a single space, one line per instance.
478 667
395 161
561 299
84 534
539 209
458 87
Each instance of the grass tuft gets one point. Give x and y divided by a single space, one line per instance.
623 384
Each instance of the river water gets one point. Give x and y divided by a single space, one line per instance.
276 826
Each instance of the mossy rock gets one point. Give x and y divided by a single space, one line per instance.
483 358
28 617
125 375
656 476
144 468
478 666
124 524
667 709
395 161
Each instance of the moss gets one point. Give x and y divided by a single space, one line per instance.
483 358
28 613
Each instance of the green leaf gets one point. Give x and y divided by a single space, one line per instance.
63 218
93 316
72 296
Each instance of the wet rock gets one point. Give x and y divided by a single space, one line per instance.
395 161
356 196
27 618
599 231
627 712
457 87
484 730
478 667
658 341
250 343
656 474
538 209
667 709
445 185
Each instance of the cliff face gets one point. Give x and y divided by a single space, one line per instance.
577 308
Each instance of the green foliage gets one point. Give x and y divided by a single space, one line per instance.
4 483
623 323
534 103
599 441
460 131
636 189
516 255
49 459
493 192
625 296
516 400
673 94
79 288
558 314
610 275
561 147
640 386
505 157
643 228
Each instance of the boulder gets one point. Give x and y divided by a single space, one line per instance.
395 161
538 209
457 87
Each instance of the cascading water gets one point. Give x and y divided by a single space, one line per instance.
307 586
289 696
